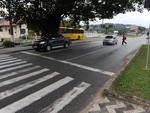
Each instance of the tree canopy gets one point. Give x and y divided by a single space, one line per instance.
45 16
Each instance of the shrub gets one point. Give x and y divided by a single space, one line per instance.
7 44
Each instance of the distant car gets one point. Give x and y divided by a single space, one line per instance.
48 42
112 40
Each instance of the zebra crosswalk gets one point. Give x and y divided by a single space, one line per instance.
18 76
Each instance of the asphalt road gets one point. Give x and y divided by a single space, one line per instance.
60 81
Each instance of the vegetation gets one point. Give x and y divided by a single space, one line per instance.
134 80
122 31
7 44
45 15
27 43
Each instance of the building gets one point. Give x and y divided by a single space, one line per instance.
18 30
134 29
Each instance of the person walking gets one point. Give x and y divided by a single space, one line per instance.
124 39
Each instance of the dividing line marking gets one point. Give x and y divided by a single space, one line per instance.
59 104
4 66
73 64
10 62
18 72
11 81
89 68
16 67
25 86
90 53
26 101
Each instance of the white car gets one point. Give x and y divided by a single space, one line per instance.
112 40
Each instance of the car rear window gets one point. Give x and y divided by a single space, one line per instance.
109 37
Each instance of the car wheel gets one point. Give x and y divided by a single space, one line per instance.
48 48
79 38
66 45
114 43
104 44
36 49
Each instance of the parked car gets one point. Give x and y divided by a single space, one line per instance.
110 40
48 42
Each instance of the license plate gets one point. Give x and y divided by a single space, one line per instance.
35 47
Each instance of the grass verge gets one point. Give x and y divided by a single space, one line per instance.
27 43
134 80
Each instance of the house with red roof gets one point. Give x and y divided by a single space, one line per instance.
18 30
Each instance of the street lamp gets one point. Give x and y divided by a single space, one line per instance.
147 6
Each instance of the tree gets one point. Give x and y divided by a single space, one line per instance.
107 26
122 31
45 15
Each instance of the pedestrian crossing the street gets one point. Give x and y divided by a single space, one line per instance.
24 84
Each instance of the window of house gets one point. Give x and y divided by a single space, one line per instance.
22 31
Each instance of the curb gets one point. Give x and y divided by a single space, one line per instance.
128 99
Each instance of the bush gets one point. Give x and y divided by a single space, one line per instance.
7 44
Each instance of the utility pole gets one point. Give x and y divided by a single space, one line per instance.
148 52
147 5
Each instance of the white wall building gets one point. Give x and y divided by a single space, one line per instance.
18 30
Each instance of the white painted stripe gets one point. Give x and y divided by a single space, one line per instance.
16 67
73 64
26 101
25 86
11 81
10 62
95 108
4 66
111 108
18 72
59 104
89 68
90 53
6 58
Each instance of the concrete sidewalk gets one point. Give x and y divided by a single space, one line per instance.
108 105
15 49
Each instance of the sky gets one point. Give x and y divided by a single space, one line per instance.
135 18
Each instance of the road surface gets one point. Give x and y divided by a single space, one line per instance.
60 81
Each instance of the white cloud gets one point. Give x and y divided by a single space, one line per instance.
135 18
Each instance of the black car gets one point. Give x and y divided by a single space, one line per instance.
48 42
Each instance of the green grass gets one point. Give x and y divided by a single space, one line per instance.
27 43
9 39
134 80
